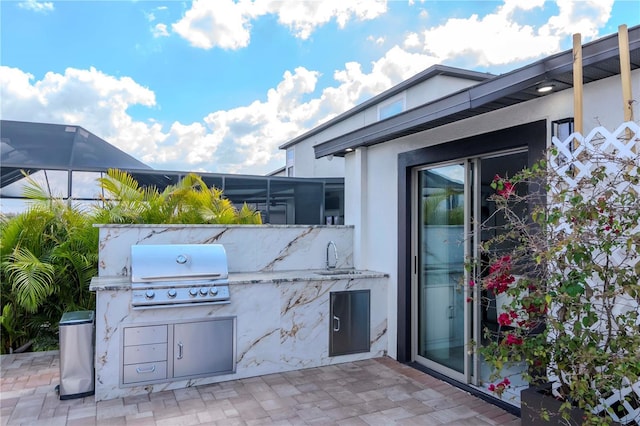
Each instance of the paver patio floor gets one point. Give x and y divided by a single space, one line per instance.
379 391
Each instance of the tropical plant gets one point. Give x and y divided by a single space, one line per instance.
189 201
48 256
570 268
49 253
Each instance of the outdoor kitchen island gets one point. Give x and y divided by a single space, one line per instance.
274 319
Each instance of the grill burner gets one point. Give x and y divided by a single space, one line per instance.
172 275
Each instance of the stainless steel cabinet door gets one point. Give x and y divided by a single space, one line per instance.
204 347
350 322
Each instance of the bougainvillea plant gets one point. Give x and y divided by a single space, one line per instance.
564 267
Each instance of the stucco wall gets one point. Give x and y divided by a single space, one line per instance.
371 175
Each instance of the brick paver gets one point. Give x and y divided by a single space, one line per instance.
373 392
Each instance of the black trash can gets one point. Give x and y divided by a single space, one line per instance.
77 331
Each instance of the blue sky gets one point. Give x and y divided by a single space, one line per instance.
218 85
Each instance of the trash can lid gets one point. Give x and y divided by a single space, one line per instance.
77 317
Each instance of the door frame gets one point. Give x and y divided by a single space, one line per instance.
532 136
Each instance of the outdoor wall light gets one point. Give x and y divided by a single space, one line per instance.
348 150
545 87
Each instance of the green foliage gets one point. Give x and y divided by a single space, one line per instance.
48 256
189 201
49 253
573 280
434 213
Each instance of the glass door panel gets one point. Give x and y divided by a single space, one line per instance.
441 299
452 200
490 306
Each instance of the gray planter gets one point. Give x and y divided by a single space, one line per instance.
539 398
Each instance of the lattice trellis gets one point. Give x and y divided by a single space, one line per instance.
624 142
577 158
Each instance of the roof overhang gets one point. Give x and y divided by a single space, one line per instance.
600 58
432 71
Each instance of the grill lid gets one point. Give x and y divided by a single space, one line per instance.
178 262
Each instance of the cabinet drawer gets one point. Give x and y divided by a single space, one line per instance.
145 353
145 372
145 335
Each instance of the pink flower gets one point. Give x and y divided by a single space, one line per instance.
512 339
472 283
504 319
503 187
500 275
507 189
499 387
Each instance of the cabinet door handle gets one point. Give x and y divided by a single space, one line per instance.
336 323
148 370
180 346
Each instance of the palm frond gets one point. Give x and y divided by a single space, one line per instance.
121 185
31 280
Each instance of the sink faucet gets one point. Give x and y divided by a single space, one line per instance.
335 253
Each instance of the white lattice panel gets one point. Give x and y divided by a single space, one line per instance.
573 165
624 142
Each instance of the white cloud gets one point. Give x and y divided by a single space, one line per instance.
222 23
160 30
498 39
303 17
227 24
377 40
37 6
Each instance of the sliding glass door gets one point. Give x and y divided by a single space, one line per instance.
451 199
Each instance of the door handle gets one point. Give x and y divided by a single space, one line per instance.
148 370
180 347
450 312
336 323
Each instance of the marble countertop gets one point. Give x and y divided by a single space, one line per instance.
124 283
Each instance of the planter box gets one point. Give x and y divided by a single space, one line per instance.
536 399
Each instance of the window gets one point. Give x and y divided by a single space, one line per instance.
391 107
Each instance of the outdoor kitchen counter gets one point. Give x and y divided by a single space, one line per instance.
281 322
124 283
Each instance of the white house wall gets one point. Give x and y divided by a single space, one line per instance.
306 165
371 178
436 88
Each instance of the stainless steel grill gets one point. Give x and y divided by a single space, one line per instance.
169 275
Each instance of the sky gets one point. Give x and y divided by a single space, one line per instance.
218 85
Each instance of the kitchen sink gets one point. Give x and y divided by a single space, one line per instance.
338 272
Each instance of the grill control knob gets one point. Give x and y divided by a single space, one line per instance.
193 292
149 294
213 291
204 291
172 293
182 259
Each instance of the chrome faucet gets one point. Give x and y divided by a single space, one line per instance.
335 253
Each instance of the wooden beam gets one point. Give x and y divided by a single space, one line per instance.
625 72
577 83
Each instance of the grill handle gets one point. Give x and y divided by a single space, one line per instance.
180 347
181 277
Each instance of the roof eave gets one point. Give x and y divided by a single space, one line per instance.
430 72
